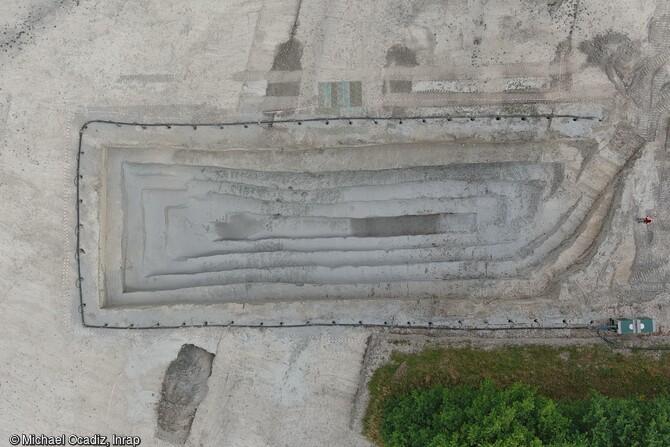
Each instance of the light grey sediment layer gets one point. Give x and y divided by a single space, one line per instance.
176 217
194 218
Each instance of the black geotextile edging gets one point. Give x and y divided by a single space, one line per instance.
536 325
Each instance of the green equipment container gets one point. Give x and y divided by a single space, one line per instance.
644 325
624 325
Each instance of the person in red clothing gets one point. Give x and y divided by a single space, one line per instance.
647 220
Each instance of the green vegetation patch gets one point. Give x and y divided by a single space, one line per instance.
562 375
516 416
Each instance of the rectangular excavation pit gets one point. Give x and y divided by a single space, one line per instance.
188 230
204 222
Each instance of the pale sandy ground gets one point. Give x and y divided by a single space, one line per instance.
57 377
65 62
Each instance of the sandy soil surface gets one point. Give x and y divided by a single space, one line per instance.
581 83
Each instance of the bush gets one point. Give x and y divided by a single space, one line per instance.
488 416
603 422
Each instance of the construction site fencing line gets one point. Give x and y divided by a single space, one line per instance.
270 122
